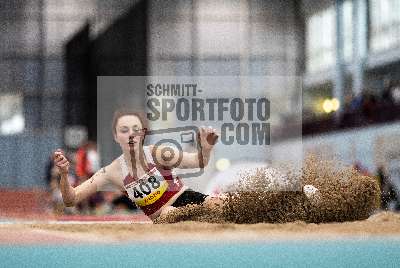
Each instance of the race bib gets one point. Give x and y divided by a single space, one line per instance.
147 189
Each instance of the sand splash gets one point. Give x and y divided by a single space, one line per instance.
343 195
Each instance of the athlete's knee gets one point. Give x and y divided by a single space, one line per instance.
166 210
214 201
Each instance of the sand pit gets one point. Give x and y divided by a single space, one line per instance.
341 194
383 224
369 243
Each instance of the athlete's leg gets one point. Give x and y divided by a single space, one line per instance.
312 193
214 202
166 210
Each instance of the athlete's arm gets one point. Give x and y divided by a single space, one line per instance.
72 196
207 137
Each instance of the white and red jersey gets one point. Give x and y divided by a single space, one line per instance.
157 188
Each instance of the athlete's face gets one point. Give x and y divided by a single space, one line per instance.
129 132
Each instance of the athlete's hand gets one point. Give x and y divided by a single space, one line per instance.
208 137
61 162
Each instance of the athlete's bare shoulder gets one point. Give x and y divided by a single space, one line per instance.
110 173
113 170
100 175
151 147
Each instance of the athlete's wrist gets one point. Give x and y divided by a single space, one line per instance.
64 173
206 152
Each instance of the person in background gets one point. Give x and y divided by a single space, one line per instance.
361 169
388 192
87 163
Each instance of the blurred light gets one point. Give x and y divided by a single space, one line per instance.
335 104
14 125
327 106
222 164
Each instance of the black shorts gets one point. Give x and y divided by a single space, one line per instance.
189 197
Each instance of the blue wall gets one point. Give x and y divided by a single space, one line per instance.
23 159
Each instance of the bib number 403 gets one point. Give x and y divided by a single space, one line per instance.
145 188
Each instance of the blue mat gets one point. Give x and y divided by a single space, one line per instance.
340 253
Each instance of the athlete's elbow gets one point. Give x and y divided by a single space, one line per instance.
203 164
69 203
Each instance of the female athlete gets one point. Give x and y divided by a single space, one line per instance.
144 173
